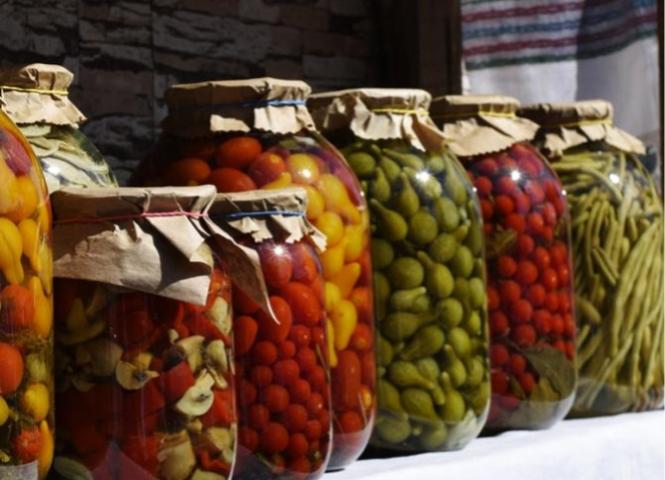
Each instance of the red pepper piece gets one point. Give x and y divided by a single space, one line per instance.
213 465
176 381
139 404
222 411
199 324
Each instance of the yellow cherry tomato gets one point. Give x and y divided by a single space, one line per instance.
36 402
4 411
303 168
45 457
332 260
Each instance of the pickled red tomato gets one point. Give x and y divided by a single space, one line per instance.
529 270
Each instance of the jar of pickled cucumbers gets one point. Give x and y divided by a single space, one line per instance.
282 371
429 269
617 232
26 311
144 341
529 268
36 98
258 134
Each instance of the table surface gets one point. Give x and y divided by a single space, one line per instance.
622 447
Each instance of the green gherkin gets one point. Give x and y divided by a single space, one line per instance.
391 225
405 198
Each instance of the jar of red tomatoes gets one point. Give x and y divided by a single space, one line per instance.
145 385
258 134
26 313
527 232
429 269
281 363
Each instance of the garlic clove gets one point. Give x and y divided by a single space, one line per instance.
220 314
193 349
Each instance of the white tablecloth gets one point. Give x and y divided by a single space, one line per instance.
624 447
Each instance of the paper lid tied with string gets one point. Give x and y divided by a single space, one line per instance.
152 240
278 215
266 104
480 124
38 93
378 114
570 124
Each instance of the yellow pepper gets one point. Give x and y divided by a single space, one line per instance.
10 194
355 242
27 199
45 457
43 321
332 227
30 235
283 181
332 296
332 260
46 261
346 278
11 249
330 334
344 320
337 198
316 205
44 216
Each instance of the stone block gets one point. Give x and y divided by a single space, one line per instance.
258 11
283 68
334 68
286 41
305 17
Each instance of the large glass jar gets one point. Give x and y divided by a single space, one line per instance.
144 356
429 270
617 219
529 268
288 152
283 377
26 313
35 96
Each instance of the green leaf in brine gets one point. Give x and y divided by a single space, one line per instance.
500 242
552 365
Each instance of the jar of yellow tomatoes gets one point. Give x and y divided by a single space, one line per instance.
257 134
26 336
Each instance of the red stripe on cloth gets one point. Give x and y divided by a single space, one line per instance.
559 42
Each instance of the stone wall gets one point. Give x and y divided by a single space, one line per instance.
125 53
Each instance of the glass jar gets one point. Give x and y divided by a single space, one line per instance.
617 218
144 356
267 158
529 268
429 271
145 388
26 312
36 98
282 371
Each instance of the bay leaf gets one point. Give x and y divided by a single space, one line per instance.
553 365
500 242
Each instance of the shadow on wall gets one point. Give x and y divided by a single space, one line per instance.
125 54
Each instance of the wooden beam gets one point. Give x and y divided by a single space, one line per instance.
422 44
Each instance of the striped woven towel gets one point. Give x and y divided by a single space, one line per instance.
562 50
